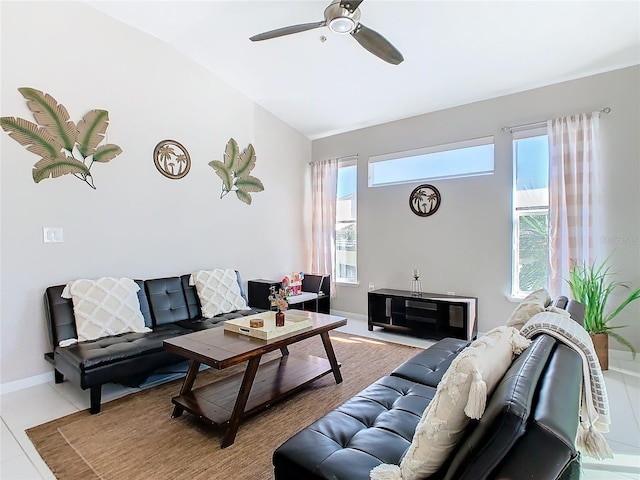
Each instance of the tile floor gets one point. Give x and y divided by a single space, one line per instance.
38 404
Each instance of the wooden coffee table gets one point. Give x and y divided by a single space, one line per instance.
272 380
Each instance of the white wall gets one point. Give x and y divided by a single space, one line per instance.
137 223
466 246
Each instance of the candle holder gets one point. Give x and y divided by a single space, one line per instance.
416 284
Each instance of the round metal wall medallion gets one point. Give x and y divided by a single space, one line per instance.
424 200
172 159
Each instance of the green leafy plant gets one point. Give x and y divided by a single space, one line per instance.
591 285
534 245
235 172
64 147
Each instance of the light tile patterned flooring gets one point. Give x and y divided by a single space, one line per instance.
38 404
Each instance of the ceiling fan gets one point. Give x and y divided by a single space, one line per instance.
343 16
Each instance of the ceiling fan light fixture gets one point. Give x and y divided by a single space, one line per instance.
342 25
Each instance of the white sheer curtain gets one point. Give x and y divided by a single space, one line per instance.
324 184
573 190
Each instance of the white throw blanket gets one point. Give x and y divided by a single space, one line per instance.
594 405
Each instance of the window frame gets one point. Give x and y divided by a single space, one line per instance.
519 211
410 155
345 162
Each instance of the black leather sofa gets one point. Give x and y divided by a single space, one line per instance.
526 432
170 307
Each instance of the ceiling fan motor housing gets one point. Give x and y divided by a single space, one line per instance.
340 18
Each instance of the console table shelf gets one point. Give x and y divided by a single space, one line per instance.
429 315
258 293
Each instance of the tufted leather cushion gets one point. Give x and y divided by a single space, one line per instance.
375 426
429 366
107 350
167 300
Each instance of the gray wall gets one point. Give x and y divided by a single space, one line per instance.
466 246
137 223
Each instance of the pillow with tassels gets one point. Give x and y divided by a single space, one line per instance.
461 395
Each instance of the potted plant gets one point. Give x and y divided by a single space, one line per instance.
592 285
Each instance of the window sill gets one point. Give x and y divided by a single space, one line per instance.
515 298
347 284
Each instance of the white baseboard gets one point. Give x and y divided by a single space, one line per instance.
621 355
26 383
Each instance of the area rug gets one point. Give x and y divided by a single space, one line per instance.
134 437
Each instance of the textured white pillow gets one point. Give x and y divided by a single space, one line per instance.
523 313
104 307
461 395
218 291
540 296
530 305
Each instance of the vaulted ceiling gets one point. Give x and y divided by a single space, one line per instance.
455 52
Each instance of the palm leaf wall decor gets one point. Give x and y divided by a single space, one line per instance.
224 173
64 148
231 154
246 162
56 167
91 130
235 172
28 134
106 153
51 115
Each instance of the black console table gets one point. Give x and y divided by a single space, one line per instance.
429 315
258 293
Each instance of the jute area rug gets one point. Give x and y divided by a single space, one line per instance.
135 437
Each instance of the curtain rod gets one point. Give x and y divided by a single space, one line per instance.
525 126
356 156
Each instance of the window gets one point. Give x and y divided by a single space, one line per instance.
530 257
346 223
460 159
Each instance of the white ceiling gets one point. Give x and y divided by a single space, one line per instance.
455 52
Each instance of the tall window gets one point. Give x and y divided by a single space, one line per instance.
530 258
346 222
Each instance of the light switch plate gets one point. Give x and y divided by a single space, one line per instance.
52 234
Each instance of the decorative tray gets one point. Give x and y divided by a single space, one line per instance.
292 323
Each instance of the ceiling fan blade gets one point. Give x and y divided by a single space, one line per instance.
377 44
279 32
351 5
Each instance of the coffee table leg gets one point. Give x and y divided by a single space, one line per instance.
241 401
284 350
187 385
331 356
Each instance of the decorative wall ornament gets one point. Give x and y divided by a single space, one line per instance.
234 172
64 146
424 200
172 159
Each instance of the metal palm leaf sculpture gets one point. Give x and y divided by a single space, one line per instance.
235 172
64 148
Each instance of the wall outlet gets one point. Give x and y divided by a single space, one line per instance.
371 286
52 235
451 293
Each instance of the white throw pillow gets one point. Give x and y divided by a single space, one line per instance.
104 307
218 291
540 296
523 313
461 395
530 305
